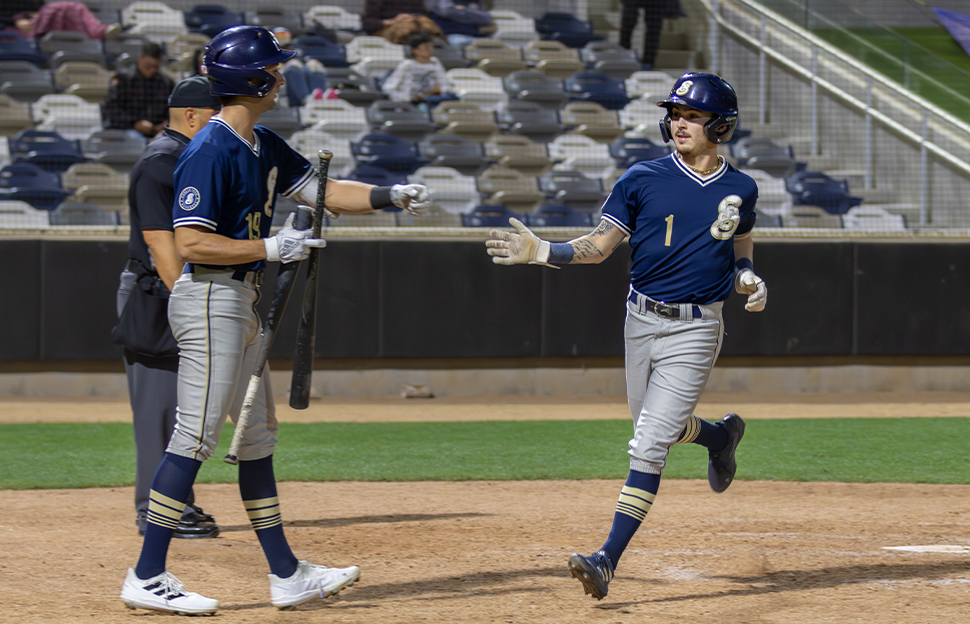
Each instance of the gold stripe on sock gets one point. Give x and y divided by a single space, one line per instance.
261 502
263 513
266 523
691 431
634 502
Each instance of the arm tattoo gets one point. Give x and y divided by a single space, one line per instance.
585 247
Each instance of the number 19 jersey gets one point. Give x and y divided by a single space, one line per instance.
227 185
681 227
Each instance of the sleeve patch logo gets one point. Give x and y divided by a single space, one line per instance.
189 198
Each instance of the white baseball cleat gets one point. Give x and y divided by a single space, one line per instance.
164 593
308 582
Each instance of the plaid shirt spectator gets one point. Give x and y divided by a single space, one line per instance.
133 97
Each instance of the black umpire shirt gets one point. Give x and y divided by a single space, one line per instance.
133 97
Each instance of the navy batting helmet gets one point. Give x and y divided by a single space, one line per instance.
235 61
705 92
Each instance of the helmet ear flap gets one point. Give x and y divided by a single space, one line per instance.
665 132
720 128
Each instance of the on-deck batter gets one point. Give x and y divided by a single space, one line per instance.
689 218
226 183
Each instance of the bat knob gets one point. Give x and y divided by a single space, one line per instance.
231 459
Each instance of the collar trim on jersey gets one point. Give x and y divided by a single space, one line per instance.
253 147
702 180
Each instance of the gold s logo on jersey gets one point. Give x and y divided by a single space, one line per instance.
684 88
728 217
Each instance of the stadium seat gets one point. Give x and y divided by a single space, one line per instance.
24 81
517 191
763 154
155 20
281 120
337 117
494 57
552 58
768 221
99 184
577 152
14 116
474 86
387 152
529 119
628 152
79 214
22 181
333 17
450 56
488 215
551 215
66 114
114 147
14 47
573 189
591 86
355 88
47 150
212 19
321 49
642 112
402 119
811 217
308 142
873 218
566 28
814 188
21 215
84 79
69 45
456 152
642 82
377 176
592 120
773 198
272 17
126 49
465 119
453 192
519 153
534 86
609 58
512 28
373 56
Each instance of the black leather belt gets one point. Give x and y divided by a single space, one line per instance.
666 310
253 277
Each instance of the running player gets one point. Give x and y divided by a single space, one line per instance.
689 218
226 183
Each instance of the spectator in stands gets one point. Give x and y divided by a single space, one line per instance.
418 78
138 98
397 20
654 12
38 20
305 79
14 12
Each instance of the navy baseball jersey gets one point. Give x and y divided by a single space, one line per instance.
225 184
681 236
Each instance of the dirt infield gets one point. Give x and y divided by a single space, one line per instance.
430 552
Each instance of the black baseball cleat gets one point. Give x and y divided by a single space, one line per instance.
195 524
721 467
594 572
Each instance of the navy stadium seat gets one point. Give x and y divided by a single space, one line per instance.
451 150
489 215
388 152
13 47
377 176
566 28
47 150
212 19
551 215
592 86
628 152
29 183
534 86
529 119
814 188
322 49
402 119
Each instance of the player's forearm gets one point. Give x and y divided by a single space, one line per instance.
591 248
199 246
744 248
161 244
343 196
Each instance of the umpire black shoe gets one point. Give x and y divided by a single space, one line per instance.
722 466
594 572
195 524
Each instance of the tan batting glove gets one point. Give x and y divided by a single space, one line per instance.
747 283
519 247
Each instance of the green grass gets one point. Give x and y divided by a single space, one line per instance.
917 450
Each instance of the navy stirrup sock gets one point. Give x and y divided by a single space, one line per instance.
635 500
170 489
257 486
707 434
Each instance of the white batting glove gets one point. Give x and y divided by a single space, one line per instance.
415 198
747 283
519 247
291 244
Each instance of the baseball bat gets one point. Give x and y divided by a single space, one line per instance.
284 286
306 335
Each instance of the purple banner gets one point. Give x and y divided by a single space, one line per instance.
958 24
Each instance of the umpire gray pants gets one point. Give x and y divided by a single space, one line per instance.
668 363
153 393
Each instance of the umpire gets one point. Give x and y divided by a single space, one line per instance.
151 353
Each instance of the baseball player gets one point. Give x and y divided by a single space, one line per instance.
689 218
226 183
153 373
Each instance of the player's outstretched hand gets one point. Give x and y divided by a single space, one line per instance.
415 198
747 283
519 247
291 244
